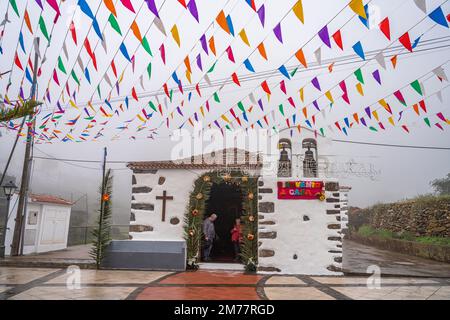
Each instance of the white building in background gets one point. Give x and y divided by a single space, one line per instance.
46 224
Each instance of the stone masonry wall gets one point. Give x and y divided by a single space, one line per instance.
426 216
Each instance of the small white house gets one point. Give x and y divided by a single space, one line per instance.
46 224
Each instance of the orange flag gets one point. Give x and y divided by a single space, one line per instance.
262 50
27 21
222 21
187 63
212 45
110 5
135 28
301 57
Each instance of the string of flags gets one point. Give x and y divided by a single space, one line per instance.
194 72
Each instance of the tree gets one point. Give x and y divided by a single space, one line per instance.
102 232
441 186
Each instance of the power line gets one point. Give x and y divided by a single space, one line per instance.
391 145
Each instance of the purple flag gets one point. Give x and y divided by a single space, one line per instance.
204 45
39 2
316 105
316 83
216 123
324 36
277 31
368 112
262 15
199 62
152 7
260 104
363 121
193 9
179 111
376 75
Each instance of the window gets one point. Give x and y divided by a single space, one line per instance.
32 218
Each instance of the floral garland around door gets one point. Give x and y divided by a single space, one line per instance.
195 212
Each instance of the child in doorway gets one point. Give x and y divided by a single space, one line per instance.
236 238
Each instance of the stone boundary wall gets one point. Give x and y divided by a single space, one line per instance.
428 216
427 251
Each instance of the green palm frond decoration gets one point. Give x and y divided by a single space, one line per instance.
196 209
19 111
102 232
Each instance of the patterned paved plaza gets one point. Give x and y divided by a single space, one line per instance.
54 284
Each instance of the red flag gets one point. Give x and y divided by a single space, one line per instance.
406 42
338 39
385 28
17 62
74 32
283 86
405 128
113 67
166 90
197 87
265 87
235 79
422 106
133 93
87 45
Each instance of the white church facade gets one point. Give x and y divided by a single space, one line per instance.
291 219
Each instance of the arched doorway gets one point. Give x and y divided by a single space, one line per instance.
225 200
245 187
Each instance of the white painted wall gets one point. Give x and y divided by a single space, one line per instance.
307 239
179 184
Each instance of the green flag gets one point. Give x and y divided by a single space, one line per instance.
241 106
43 28
74 76
14 6
427 121
216 97
359 75
294 72
61 65
114 24
146 46
149 70
416 86
152 105
373 129
212 68
281 109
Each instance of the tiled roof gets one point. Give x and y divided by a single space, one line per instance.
226 158
45 198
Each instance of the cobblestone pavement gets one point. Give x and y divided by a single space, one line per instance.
41 283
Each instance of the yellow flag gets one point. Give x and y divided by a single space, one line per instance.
360 89
202 111
175 34
302 96
73 104
225 118
391 121
383 103
141 118
90 106
298 10
358 7
375 114
244 38
188 76
329 96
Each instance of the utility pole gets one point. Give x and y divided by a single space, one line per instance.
24 185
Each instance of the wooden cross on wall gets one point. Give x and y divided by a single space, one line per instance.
164 198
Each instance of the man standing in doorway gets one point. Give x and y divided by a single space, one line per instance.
210 234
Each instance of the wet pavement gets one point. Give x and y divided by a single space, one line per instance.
358 257
60 284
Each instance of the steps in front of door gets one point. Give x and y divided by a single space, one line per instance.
221 266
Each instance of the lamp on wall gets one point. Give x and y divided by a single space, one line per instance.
8 189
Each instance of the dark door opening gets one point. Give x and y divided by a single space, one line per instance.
226 202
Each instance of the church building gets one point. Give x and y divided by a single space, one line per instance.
290 220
